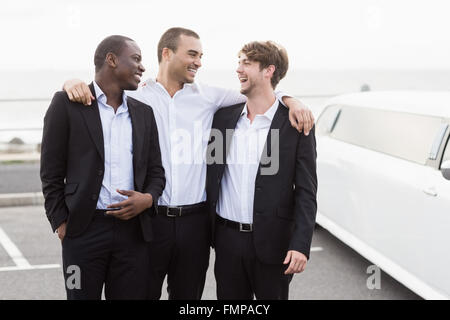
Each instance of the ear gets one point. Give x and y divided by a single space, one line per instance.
166 53
111 59
269 71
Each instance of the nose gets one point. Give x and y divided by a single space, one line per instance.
198 62
141 68
239 69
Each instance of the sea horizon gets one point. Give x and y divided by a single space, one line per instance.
25 95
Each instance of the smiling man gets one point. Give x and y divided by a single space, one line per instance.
101 174
184 111
262 190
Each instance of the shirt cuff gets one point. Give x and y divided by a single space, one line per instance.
280 95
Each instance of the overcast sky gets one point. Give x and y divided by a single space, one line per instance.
317 33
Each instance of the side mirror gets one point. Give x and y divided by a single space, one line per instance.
445 169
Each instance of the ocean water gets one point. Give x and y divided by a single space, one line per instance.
25 96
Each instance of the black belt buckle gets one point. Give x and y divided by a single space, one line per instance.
245 227
178 214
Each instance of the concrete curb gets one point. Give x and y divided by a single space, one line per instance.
21 199
33 156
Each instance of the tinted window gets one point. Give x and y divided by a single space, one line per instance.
326 119
446 155
404 135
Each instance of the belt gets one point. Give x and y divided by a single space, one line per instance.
242 227
178 211
103 212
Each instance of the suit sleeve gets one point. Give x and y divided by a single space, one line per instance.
53 160
155 181
305 194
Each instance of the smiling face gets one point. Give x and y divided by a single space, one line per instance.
186 60
250 75
129 66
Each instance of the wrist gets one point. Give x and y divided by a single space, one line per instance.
149 199
285 100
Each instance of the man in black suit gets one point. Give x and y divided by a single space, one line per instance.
261 185
101 176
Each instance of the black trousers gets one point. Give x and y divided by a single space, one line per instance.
110 253
180 249
240 275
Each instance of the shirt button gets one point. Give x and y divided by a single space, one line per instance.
100 172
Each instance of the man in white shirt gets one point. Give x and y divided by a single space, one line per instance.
261 185
184 111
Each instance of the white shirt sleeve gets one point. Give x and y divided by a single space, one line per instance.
221 97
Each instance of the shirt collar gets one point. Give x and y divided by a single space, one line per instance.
100 96
269 114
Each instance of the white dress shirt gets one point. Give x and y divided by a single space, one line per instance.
118 148
184 124
237 189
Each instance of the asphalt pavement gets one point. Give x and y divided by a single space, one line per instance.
30 257
20 177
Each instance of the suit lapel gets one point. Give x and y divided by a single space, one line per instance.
91 116
231 124
278 122
138 128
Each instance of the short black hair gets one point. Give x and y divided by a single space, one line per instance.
112 44
171 37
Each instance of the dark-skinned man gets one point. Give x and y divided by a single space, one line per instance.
101 175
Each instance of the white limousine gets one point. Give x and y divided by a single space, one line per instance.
384 183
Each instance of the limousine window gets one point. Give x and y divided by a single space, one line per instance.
327 120
403 135
446 155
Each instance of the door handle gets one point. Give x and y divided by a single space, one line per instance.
431 191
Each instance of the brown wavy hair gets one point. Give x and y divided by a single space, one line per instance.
268 53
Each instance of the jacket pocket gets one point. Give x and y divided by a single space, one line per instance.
70 188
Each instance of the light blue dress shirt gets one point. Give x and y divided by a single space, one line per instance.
118 147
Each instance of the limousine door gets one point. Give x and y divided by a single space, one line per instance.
436 195
375 191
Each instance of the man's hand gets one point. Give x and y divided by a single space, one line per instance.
78 91
61 231
297 262
300 116
131 207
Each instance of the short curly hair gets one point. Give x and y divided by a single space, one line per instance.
268 53
112 44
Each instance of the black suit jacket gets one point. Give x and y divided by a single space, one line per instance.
285 202
72 161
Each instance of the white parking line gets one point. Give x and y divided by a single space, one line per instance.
35 267
17 256
13 251
316 249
